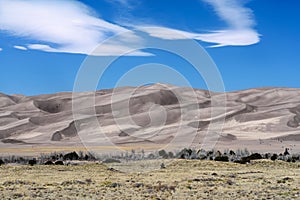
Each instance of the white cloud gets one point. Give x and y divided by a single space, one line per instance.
106 49
56 25
115 49
240 31
240 21
42 47
242 37
1 49
72 27
233 13
20 47
167 33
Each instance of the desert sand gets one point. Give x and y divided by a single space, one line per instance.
151 117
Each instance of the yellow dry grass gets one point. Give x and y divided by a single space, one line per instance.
181 179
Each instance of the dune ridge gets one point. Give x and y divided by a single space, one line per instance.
255 118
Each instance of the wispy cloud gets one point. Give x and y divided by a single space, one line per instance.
233 13
20 47
57 26
239 29
122 2
240 21
1 49
125 6
72 27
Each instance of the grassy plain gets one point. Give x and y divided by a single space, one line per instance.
181 179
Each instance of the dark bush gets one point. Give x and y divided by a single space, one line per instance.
286 152
231 153
189 151
21 160
71 156
183 156
86 157
222 158
171 155
255 156
243 160
151 156
185 153
238 161
294 157
247 159
32 162
218 153
274 157
1 162
59 162
49 162
267 155
162 153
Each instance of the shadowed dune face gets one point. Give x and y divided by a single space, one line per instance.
51 106
154 116
55 105
70 131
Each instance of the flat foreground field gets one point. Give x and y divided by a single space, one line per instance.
181 179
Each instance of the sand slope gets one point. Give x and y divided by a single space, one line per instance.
256 118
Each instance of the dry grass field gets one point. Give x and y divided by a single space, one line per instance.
181 179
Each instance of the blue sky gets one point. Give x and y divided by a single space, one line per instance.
254 43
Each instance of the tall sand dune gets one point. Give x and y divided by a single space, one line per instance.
263 118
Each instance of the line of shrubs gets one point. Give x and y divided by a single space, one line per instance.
49 159
240 156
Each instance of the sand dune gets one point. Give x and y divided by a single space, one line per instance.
153 115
